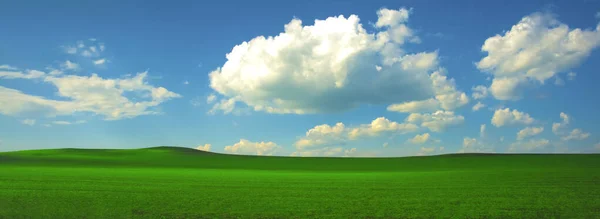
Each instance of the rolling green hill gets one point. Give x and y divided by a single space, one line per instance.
172 182
179 157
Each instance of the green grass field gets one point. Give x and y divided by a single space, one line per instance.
184 183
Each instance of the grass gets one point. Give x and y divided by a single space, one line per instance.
166 182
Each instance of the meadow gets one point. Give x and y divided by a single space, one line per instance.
169 182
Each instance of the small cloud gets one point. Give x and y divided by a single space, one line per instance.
55 72
559 81
528 132
385 145
598 15
186 82
100 62
526 146
70 65
420 139
86 53
576 134
7 67
478 106
571 76
205 147
29 122
253 148
505 116
200 65
211 98
482 131
68 123
70 49
479 92
92 39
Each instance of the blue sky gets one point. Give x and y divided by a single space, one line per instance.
308 78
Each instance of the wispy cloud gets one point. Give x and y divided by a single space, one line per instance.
7 67
68 123
70 65
29 122
100 62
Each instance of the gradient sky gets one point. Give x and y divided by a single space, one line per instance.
303 78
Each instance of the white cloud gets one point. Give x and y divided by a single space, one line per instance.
253 148
472 145
100 61
504 117
482 131
479 92
526 146
389 17
91 94
528 132
576 134
70 65
559 81
558 127
55 72
420 139
211 98
506 88
205 147
330 66
186 82
225 105
60 122
326 135
436 122
320 152
333 152
385 145
89 49
597 146
70 49
29 122
478 106
447 97
7 67
87 53
535 49
379 126
429 105
571 76
31 74
425 151
322 135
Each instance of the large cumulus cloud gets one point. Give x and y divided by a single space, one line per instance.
330 66
537 48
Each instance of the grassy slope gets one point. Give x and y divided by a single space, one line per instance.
190 158
185 183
